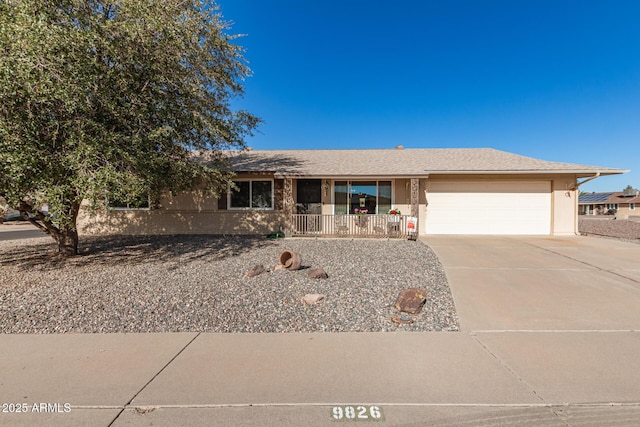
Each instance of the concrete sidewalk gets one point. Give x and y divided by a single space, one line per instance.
549 339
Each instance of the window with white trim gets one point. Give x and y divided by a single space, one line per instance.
632 206
612 206
251 194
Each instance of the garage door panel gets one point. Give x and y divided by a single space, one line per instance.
489 208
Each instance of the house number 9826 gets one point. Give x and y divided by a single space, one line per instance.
357 413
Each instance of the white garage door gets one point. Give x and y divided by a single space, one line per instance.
510 207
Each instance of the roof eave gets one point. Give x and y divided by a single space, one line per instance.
529 171
345 176
309 175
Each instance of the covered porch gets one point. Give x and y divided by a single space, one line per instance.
339 207
345 225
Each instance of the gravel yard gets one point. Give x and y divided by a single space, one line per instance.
627 230
196 283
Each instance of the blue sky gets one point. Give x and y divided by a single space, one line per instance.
556 80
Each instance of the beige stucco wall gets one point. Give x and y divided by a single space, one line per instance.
185 213
402 189
624 211
179 222
327 189
193 200
198 214
564 206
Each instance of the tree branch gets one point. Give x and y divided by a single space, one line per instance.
26 209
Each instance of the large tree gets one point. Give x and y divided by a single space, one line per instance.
113 97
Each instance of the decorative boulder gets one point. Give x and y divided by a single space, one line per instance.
310 299
255 270
317 273
411 300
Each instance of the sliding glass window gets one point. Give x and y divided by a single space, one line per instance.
251 194
368 197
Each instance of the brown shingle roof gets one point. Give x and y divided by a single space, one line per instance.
402 162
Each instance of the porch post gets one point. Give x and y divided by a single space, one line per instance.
288 205
415 200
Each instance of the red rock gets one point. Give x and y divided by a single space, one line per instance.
254 271
411 300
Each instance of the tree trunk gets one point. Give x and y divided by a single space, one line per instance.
67 240
65 236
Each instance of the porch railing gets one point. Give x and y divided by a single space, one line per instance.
350 225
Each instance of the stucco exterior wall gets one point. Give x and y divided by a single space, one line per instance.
564 206
193 200
151 222
624 211
401 198
196 213
327 191
185 213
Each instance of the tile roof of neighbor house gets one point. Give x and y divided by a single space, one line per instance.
402 162
606 198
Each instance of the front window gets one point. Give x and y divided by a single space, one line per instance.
632 206
368 197
252 194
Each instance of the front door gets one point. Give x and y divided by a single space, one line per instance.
309 204
309 196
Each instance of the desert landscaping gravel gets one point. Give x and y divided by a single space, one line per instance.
197 283
621 229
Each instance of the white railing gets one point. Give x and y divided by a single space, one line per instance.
350 225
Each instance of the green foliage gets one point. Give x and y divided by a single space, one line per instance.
115 96
4 208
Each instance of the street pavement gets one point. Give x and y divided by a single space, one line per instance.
15 231
549 338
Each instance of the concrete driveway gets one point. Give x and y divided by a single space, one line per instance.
542 283
561 313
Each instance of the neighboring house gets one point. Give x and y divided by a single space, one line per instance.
621 203
323 192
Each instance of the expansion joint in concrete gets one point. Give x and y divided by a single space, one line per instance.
128 404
